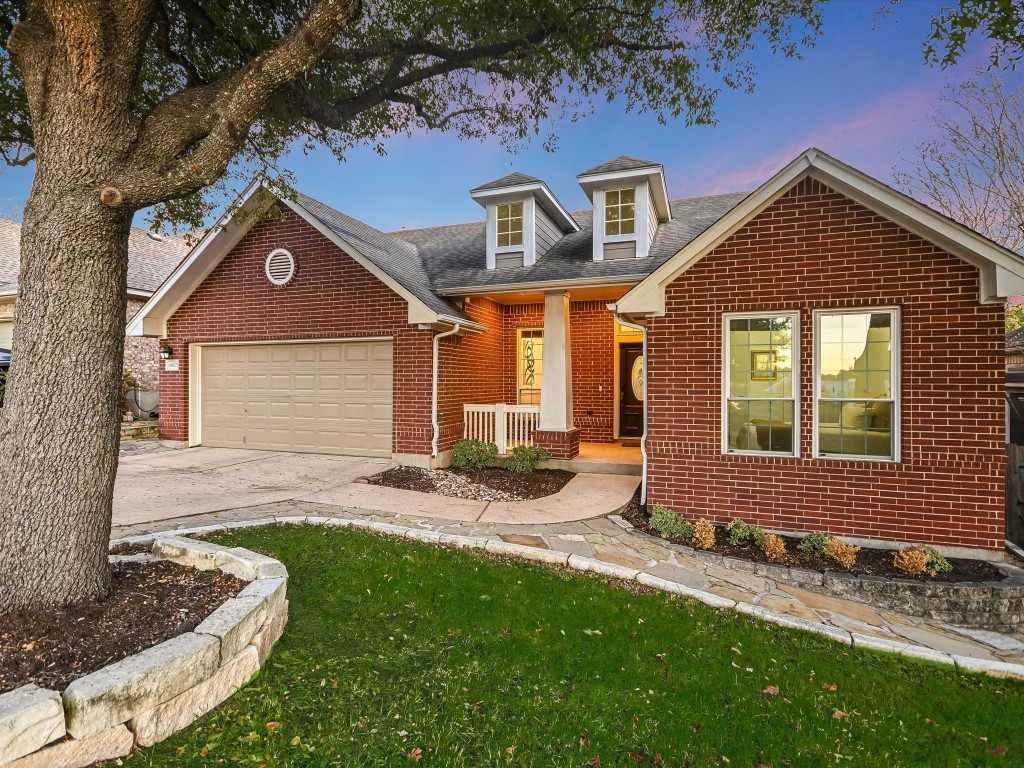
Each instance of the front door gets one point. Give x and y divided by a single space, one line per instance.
631 390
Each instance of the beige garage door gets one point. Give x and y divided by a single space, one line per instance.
314 398
6 333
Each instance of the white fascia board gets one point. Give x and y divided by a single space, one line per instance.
151 320
654 174
538 190
418 311
550 285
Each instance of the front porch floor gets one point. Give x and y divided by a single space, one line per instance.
601 459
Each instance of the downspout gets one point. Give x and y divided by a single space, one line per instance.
433 402
643 437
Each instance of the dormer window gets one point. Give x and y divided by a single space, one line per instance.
620 211
510 224
523 220
630 201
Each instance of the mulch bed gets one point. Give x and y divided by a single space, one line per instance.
874 562
149 603
467 483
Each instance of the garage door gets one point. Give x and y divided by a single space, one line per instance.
6 333
315 398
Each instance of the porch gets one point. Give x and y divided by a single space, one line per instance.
558 371
508 426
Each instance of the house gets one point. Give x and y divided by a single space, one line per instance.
151 258
823 353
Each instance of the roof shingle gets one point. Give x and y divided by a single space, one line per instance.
620 163
513 179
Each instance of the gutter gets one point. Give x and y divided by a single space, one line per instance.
433 402
643 437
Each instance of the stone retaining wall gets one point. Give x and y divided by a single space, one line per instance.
993 605
147 697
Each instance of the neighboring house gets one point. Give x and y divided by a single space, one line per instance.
823 353
151 258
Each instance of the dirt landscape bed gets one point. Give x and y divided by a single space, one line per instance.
488 484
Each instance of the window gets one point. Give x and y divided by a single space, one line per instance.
856 383
530 365
620 211
761 371
510 224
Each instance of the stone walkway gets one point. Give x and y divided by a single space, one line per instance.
612 541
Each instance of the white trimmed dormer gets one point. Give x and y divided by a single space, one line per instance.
523 220
630 200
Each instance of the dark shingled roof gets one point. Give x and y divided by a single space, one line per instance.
150 260
620 163
512 180
455 256
396 257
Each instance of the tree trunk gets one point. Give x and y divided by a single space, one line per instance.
60 424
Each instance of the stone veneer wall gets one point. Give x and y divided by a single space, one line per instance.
142 357
145 698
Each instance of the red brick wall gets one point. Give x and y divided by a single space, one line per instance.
331 296
813 249
592 340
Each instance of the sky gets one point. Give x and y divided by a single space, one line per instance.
862 94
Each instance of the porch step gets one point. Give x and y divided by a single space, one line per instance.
588 466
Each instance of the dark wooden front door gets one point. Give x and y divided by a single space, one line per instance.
631 393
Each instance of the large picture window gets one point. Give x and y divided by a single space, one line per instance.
761 406
620 211
529 365
856 384
510 224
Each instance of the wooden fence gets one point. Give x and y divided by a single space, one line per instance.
1015 494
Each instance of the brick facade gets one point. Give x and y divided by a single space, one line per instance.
331 297
813 249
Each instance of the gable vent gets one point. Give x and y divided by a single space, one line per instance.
280 267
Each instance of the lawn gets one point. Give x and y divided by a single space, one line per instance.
400 653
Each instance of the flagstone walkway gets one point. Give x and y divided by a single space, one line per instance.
609 544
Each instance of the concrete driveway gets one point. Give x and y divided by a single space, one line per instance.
161 485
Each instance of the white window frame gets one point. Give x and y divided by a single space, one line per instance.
621 237
511 247
794 315
895 358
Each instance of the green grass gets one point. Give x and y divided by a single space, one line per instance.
395 646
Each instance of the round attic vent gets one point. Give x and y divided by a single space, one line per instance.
280 267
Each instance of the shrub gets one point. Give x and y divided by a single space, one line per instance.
704 535
920 559
774 547
741 533
911 561
843 553
524 458
815 544
474 454
668 523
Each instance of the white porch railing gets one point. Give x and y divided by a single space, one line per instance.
504 425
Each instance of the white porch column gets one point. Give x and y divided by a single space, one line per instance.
556 377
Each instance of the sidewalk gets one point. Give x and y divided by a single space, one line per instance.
610 540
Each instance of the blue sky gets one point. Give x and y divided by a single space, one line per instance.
862 94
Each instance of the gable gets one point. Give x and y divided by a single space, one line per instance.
1001 272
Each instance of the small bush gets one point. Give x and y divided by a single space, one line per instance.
704 535
669 523
815 544
474 454
920 559
936 562
774 547
524 458
911 561
741 533
843 553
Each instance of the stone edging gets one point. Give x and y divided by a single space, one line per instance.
145 698
577 562
993 605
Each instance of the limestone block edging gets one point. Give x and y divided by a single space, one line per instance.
145 698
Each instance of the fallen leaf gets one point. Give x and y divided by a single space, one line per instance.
635 757
771 690
296 741
596 762
415 754
272 725
1000 750
929 721
838 714
204 751
829 686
